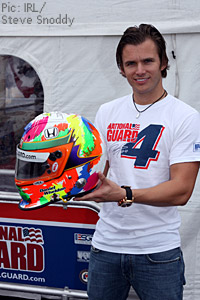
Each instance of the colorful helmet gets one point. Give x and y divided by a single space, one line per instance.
58 157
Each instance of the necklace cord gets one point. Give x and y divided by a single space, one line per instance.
141 111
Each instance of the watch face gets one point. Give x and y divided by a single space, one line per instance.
125 202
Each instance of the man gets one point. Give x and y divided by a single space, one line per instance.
152 145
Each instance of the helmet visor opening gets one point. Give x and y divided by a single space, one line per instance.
30 170
30 164
41 165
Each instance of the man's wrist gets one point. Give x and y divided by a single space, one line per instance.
128 199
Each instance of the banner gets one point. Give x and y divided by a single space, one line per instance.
47 247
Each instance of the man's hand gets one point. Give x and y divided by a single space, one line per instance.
108 191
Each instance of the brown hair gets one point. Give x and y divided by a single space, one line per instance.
137 35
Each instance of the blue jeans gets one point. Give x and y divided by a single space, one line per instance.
158 276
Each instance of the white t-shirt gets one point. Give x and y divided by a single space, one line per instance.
140 152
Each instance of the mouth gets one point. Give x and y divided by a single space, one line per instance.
141 80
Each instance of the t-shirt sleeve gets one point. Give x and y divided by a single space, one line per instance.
186 142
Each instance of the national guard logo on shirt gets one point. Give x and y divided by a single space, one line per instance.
126 132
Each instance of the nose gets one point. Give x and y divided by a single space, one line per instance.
140 69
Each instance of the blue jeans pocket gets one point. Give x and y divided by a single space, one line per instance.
169 262
165 257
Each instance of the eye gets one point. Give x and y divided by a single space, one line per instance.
130 63
148 60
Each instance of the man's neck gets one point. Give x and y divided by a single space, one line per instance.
148 98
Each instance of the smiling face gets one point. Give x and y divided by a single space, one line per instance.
142 68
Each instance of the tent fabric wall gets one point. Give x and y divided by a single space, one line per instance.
78 71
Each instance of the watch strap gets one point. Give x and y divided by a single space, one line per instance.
129 199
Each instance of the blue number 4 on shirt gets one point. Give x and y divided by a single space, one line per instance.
144 149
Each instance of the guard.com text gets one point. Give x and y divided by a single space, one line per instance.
19 276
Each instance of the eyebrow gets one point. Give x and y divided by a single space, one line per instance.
143 60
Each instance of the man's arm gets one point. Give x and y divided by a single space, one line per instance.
176 191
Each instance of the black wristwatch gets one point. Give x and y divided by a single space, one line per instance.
129 199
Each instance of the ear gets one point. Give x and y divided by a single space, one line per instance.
163 66
122 72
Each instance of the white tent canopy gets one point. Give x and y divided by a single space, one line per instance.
72 44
